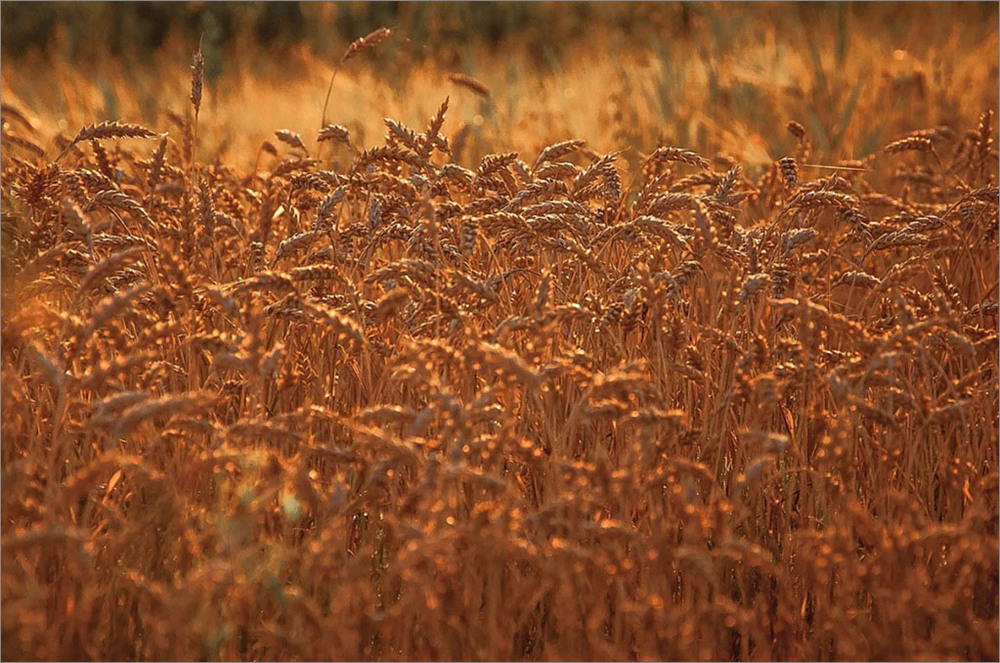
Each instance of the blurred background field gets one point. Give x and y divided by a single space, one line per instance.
714 77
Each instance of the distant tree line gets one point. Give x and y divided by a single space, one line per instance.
91 29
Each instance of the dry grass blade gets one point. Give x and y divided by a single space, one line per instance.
24 143
11 112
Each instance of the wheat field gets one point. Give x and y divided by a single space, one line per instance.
461 387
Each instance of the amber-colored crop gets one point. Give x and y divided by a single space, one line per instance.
373 400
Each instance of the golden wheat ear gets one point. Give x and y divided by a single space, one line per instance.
108 130
369 41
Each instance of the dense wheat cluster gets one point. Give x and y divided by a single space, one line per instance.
371 403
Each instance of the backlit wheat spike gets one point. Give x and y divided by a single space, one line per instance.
361 44
556 170
159 159
796 129
109 264
170 405
859 279
335 132
910 143
432 136
789 171
679 155
297 243
197 76
402 134
557 151
753 284
291 138
470 83
108 130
